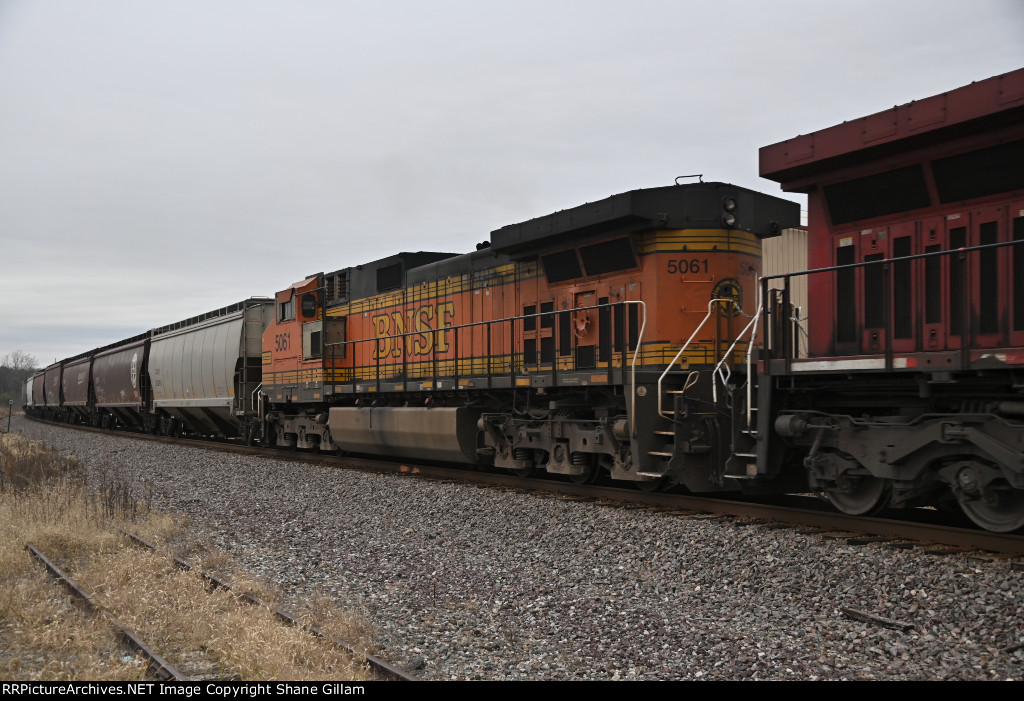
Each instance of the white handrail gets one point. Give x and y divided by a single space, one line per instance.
728 352
253 402
632 380
682 350
753 340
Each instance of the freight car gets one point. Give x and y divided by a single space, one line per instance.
911 389
196 376
581 343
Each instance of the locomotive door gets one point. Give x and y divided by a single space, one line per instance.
846 310
1016 256
538 336
935 304
987 270
873 248
584 330
955 278
488 339
473 339
905 280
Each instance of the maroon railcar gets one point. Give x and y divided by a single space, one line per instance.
121 384
77 388
912 389
52 391
38 394
939 174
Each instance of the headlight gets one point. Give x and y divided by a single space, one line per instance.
728 212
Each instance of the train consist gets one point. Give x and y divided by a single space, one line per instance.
634 337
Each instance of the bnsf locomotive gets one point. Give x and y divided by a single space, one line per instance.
636 338
580 343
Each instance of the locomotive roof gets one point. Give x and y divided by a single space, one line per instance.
982 106
693 205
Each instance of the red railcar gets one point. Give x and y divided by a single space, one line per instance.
911 391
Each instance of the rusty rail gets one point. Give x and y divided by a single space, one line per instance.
161 668
381 666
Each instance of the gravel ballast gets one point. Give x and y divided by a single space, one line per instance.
466 582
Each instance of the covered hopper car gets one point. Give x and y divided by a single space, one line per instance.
198 376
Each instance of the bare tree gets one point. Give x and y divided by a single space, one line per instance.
19 360
15 369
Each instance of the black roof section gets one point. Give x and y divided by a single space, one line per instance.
389 273
689 206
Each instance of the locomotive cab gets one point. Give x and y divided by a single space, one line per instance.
297 347
319 342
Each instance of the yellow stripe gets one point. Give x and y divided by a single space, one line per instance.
651 354
700 241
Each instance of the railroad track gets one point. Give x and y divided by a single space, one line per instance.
906 528
381 667
159 668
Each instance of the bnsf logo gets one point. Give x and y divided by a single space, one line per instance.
390 327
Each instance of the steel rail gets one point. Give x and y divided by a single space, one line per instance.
1007 544
378 664
161 668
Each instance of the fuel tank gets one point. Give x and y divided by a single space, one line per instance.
438 433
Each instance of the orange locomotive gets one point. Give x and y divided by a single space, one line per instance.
579 343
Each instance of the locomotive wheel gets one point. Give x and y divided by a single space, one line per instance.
524 472
1000 510
655 485
589 476
863 495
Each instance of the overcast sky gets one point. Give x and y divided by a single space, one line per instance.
160 159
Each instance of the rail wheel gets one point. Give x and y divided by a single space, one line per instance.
988 499
589 475
524 472
858 496
655 485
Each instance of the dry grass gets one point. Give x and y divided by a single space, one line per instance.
48 501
